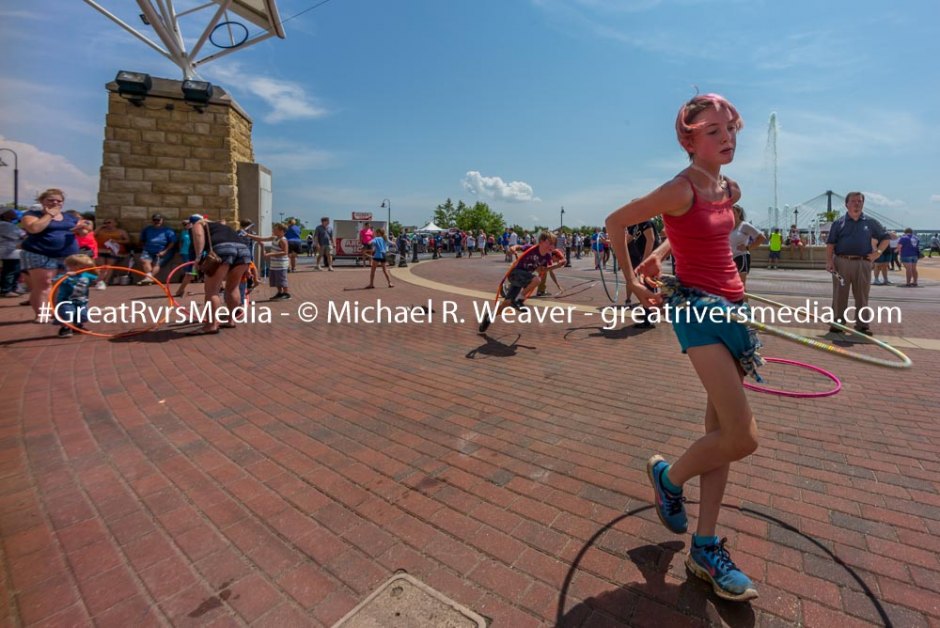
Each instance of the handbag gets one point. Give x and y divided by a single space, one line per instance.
210 261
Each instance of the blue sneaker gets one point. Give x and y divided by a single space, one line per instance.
713 564
669 506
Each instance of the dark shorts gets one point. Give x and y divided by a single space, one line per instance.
233 253
517 281
773 255
743 262
294 246
110 259
153 258
277 278
32 261
379 259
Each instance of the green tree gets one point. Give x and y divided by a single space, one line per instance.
480 216
658 222
539 228
300 221
445 215
396 228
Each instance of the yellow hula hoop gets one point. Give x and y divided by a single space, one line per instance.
829 347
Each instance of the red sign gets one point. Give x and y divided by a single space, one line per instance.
348 246
362 215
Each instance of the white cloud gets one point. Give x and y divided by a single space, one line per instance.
40 170
12 14
935 198
288 99
875 198
289 155
496 188
815 49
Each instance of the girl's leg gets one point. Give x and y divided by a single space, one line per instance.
711 484
736 436
914 272
40 280
372 275
387 278
730 434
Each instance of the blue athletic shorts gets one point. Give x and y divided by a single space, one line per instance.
732 334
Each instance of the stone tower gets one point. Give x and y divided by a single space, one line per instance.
169 156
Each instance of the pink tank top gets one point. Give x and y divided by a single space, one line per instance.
700 244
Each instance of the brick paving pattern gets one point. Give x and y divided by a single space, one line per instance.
276 474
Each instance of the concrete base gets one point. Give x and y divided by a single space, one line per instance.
405 602
814 258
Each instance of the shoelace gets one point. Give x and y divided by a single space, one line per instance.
722 557
673 502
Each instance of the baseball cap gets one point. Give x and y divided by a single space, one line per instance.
157 217
195 218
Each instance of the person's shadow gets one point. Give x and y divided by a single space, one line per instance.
493 348
630 604
618 333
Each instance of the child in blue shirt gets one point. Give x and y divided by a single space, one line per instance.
71 299
379 253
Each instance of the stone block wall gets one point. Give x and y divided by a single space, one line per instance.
170 157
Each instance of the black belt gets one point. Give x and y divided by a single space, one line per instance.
853 256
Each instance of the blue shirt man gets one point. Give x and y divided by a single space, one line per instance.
849 257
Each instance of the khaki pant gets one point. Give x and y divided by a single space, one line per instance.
856 275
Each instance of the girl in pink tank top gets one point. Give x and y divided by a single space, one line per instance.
697 211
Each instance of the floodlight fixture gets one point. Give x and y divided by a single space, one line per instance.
133 83
197 91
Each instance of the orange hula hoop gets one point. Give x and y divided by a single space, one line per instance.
122 334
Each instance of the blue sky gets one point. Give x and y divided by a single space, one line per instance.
529 105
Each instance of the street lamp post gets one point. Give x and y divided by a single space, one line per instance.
16 177
388 204
561 228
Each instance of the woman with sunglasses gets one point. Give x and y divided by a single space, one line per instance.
50 238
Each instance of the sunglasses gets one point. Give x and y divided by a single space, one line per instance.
56 201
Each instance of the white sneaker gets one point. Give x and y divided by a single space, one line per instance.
101 285
317 268
330 268
146 281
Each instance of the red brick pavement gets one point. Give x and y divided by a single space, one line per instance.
276 474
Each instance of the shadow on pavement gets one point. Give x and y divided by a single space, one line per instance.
496 349
694 596
608 334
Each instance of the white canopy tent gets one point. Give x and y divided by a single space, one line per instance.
430 228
